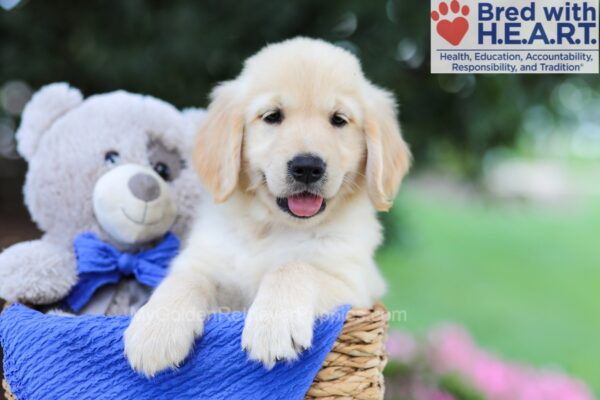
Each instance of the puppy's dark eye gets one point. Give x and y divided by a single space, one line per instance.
111 157
273 117
337 120
163 170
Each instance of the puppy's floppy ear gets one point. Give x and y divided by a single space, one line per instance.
218 149
388 155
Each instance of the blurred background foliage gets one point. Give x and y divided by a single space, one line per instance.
495 229
177 50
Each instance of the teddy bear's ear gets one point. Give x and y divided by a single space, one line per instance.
194 118
46 106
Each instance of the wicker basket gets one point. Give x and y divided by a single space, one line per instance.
354 367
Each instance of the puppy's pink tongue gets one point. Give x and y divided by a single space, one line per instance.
305 205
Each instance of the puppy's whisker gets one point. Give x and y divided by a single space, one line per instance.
350 182
257 182
360 174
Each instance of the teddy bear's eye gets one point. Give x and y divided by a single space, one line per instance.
163 170
111 157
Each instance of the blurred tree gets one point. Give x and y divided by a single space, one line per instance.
178 50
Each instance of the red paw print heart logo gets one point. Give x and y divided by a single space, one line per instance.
451 22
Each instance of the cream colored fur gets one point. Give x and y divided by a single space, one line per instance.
246 253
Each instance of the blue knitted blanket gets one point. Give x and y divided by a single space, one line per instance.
61 357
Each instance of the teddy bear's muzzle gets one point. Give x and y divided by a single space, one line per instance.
133 204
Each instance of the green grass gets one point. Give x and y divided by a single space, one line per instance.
524 280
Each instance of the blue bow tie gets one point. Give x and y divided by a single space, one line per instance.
99 264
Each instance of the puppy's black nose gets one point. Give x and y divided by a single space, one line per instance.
307 168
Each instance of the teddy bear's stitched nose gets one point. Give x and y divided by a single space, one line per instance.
144 186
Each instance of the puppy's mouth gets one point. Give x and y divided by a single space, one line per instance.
302 205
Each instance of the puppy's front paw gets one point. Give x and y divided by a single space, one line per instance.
274 335
156 340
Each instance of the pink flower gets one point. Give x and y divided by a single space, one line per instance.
442 396
422 392
401 346
546 385
452 350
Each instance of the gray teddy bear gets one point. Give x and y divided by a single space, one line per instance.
115 166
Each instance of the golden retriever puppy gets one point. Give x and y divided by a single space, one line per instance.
299 151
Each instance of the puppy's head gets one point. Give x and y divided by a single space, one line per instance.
301 129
